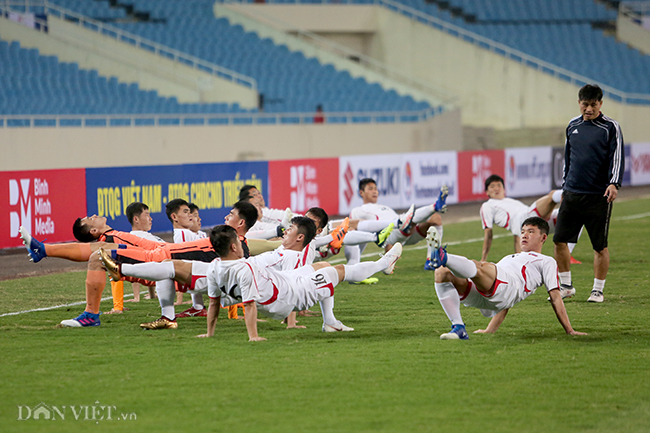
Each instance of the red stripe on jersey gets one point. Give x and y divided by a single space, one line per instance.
254 280
507 221
493 289
273 298
523 273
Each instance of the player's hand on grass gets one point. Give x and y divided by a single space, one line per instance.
257 339
296 327
577 333
202 336
483 331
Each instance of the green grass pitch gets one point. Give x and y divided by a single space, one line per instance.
392 374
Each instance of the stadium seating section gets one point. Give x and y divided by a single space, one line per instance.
560 32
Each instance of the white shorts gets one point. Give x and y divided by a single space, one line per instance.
503 296
306 288
199 282
532 212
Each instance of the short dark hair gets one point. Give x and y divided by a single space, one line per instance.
247 212
365 181
243 192
173 205
538 222
321 215
221 237
305 226
493 178
192 207
590 92
81 231
135 209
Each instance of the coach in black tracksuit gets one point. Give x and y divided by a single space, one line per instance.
593 171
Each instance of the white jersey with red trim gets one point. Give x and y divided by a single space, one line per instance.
187 235
506 213
520 275
373 211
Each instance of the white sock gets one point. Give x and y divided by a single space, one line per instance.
599 284
356 237
450 301
363 270
422 214
197 301
166 291
327 309
151 271
373 225
565 278
557 196
460 266
353 254
322 240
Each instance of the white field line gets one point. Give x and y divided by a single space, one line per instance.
410 248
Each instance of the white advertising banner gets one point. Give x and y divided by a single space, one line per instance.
640 163
425 173
528 171
386 170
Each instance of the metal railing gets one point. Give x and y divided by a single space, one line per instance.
130 39
489 44
200 119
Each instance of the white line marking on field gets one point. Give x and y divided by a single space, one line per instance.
57 306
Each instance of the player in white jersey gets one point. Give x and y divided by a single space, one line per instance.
509 213
276 294
411 227
495 288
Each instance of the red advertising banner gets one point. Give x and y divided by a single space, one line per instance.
474 168
45 202
303 183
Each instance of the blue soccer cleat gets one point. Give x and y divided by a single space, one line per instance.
428 265
441 203
458 332
35 248
84 320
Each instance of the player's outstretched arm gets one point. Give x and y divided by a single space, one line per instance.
494 323
250 316
213 314
560 312
487 244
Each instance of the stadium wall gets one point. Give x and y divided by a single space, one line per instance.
25 148
493 91
47 201
73 43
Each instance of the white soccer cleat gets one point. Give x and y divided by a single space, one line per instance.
596 296
406 220
433 238
393 256
340 327
566 291
286 221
